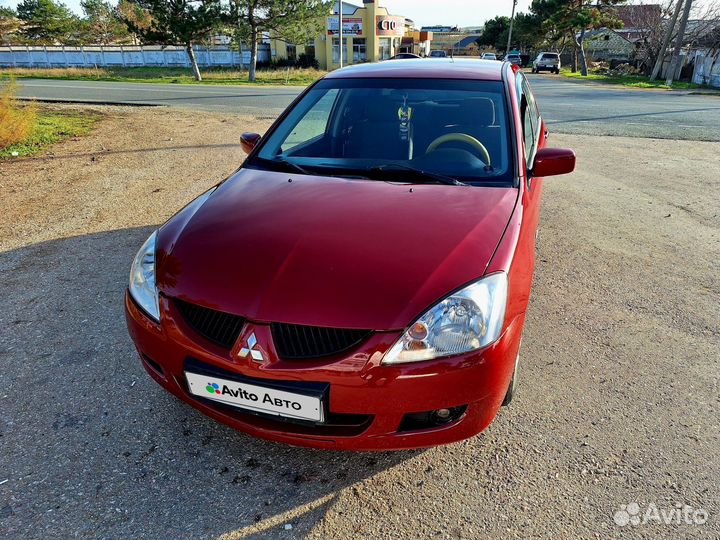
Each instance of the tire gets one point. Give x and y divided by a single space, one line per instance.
557 72
513 383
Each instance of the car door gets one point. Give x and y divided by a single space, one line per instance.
533 131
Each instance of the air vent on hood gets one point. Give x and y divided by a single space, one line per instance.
221 328
295 342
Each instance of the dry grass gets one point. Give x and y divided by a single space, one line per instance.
16 123
279 76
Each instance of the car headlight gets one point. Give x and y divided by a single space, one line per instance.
467 320
142 279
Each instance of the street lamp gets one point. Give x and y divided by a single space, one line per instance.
341 31
512 20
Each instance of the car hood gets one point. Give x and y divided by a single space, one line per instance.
328 251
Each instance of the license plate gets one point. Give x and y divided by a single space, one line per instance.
256 398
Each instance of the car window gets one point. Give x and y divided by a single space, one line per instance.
530 118
455 128
550 56
313 124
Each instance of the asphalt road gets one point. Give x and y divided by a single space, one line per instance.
568 107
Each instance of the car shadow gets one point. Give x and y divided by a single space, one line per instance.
93 447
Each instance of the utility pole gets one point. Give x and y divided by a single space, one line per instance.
512 21
666 41
678 44
340 2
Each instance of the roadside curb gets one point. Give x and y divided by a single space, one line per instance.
90 102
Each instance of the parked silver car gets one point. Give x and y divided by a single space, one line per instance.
546 61
489 56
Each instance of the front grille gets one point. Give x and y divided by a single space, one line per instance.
295 342
221 328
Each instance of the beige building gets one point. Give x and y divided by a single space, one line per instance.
370 34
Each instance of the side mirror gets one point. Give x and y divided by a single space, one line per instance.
553 161
249 141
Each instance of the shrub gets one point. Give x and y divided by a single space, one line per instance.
307 61
16 122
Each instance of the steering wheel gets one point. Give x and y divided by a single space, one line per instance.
460 137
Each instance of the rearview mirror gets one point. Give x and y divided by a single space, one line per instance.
249 141
553 161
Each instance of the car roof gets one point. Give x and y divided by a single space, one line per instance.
427 68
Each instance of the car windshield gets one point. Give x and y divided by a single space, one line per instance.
395 129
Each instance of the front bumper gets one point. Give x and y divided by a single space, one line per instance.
367 400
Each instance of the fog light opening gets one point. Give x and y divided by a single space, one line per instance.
441 416
431 419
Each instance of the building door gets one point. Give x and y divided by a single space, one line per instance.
359 50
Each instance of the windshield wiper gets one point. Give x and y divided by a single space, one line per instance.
284 164
420 175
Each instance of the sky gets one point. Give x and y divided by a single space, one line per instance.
423 12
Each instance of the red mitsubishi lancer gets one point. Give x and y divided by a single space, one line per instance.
361 282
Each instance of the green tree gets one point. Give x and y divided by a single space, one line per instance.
102 23
527 32
294 21
176 22
495 33
46 22
574 18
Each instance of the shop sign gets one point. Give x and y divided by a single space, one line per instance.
351 26
388 25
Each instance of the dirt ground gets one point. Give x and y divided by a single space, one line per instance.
618 400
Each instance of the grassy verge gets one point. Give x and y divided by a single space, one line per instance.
292 76
633 81
51 127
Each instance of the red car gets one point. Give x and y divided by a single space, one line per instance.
361 282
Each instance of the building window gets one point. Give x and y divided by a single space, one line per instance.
291 51
310 48
385 46
359 51
336 50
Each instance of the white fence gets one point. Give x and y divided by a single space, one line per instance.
707 68
128 56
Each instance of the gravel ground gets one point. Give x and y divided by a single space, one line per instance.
618 400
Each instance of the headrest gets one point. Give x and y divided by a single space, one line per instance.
475 111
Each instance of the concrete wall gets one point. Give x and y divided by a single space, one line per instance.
707 68
124 56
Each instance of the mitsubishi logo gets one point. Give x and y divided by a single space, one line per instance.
250 349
